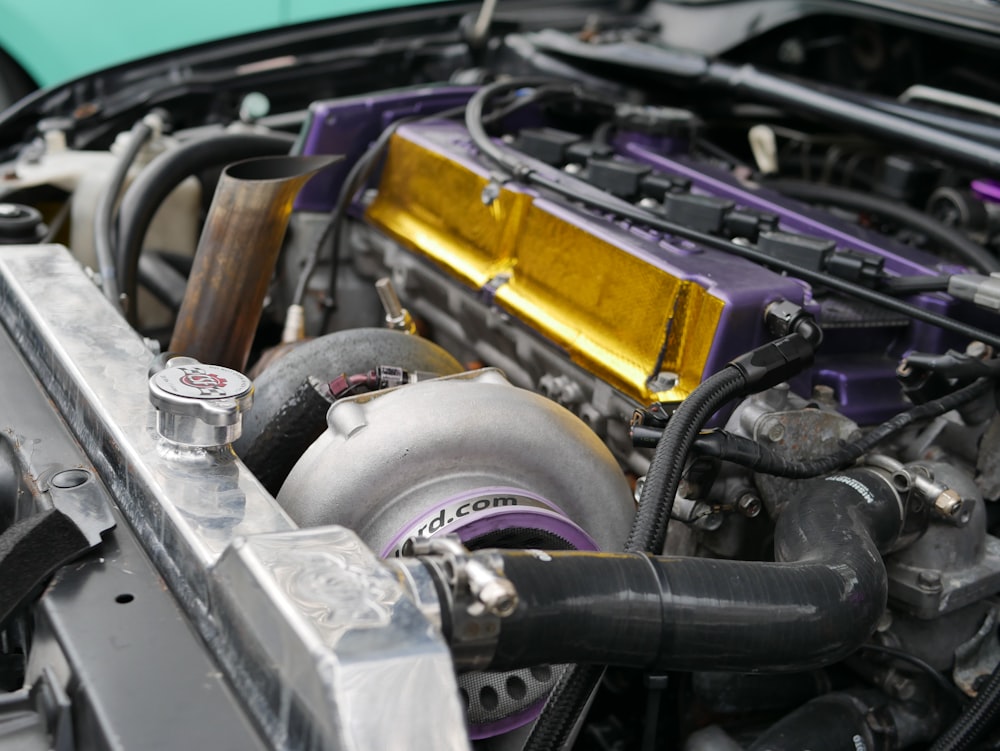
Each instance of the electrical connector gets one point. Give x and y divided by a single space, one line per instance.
382 377
980 290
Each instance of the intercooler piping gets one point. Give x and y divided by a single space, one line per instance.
815 605
236 256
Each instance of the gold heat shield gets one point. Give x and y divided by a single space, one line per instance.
613 313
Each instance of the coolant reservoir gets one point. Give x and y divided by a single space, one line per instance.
86 175
173 229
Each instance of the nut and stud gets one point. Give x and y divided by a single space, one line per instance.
948 503
929 580
397 317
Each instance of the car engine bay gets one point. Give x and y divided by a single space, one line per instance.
510 378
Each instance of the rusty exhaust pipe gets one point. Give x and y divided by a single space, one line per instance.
236 257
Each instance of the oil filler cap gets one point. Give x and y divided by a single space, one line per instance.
198 404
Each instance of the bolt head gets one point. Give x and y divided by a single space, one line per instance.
490 193
664 381
930 580
499 597
774 431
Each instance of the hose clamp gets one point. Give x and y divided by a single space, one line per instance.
480 595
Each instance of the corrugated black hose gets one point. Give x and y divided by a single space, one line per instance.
975 720
656 502
568 700
564 708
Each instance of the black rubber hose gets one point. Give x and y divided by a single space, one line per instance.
828 723
291 429
145 195
289 413
760 458
165 282
831 108
360 172
104 214
976 127
815 605
946 238
914 285
475 113
975 720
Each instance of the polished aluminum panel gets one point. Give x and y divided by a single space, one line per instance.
315 633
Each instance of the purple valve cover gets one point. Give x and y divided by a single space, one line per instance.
987 190
348 126
858 363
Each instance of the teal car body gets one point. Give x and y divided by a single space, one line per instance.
55 41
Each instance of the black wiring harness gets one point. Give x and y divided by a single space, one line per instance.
577 191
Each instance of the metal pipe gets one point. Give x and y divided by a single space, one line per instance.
152 186
236 256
